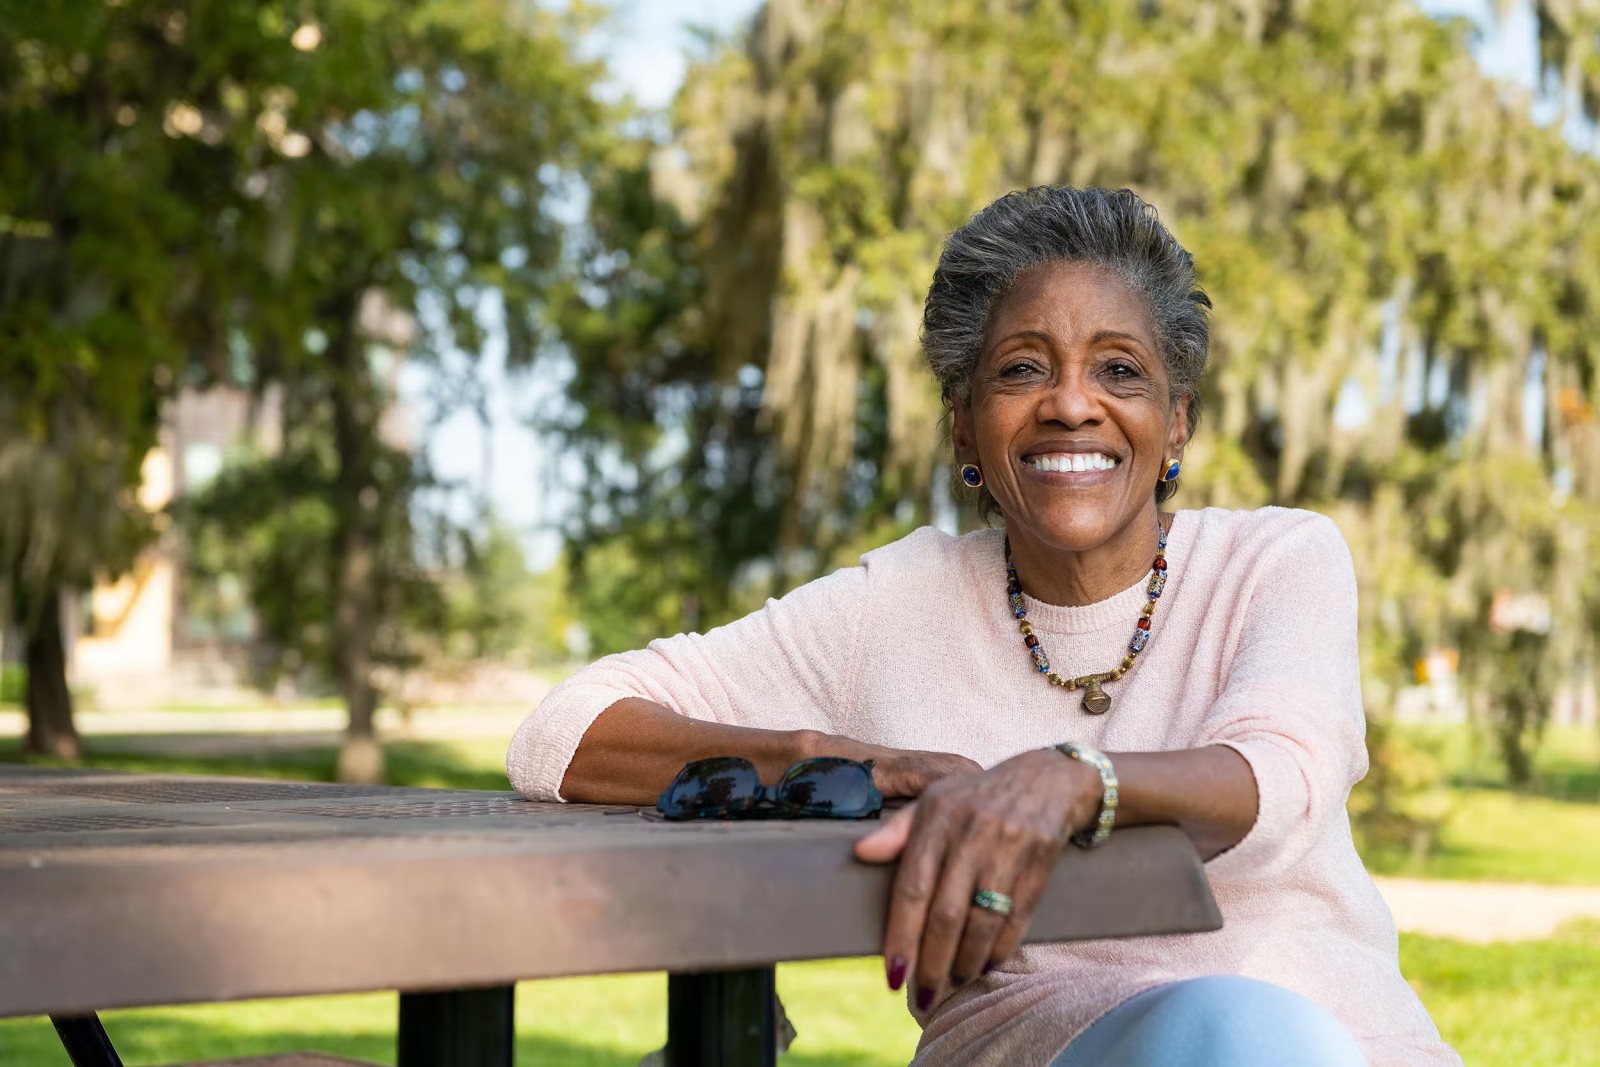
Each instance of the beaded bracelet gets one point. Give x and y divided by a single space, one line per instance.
1107 817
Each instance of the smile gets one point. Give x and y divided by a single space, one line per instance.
1076 461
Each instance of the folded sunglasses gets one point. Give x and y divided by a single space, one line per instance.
728 787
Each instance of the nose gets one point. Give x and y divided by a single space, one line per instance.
1071 401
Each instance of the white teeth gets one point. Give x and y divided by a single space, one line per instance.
1076 461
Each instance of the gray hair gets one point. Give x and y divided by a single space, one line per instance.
1029 228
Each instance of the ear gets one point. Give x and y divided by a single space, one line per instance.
1178 434
962 440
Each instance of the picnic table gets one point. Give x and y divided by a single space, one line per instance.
121 890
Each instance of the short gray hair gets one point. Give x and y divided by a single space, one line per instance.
1029 228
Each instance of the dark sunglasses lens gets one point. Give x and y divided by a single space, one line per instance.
725 782
828 785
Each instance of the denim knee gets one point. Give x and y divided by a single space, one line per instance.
1220 1021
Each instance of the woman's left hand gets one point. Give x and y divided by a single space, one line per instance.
1001 830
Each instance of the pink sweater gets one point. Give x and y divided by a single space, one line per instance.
1253 646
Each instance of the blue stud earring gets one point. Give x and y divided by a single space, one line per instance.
972 475
1171 473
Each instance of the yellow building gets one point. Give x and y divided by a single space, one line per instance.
135 642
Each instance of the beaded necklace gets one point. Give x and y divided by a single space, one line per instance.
1096 701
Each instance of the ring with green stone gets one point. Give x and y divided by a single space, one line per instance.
989 900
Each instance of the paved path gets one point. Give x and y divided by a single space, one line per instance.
1465 911
1486 911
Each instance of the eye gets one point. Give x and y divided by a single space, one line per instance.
1122 370
1019 368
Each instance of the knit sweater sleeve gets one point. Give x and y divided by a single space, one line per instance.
789 665
1291 702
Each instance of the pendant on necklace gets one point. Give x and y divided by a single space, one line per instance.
1096 701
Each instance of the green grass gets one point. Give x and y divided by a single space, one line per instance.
1527 1002
1566 763
1548 832
841 1008
1495 835
1508 1005
474 764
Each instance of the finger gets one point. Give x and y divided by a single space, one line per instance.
885 844
1029 888
914 884
948 912
976 949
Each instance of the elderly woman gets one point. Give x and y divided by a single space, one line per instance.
1206 659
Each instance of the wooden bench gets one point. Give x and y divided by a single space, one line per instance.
127 890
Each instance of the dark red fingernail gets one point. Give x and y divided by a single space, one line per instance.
958 981
924 998
987 967
897 972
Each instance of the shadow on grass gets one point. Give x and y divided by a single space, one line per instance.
1570 781
162 1039
300 757
169 1040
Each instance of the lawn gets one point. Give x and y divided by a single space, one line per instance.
1511 1005
1548 833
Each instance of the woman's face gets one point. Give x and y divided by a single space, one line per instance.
1070 377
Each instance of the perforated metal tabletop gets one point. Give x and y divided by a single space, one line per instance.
122 890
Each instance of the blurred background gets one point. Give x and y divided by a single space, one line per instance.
368 365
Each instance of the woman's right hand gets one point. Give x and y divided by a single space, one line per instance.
903 772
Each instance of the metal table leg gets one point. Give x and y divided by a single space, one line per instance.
722 1019
458 1028
85 1040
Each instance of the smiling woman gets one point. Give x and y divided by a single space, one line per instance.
1070 417
1069 335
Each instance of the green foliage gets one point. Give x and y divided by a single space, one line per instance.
101 253
278 195
269 522
681 490
13 682
498 609
1396 248
1395 808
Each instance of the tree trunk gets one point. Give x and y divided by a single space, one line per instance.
355 418
1514 750
50 728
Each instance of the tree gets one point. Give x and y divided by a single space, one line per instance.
1399 253
432 146
319 189
107 291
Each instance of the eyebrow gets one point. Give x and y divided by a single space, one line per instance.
1100 337
1031 335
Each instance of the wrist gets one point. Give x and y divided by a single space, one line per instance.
808 744
1092 830
1082 787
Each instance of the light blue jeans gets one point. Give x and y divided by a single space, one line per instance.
1220 1021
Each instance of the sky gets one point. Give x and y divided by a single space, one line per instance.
645 50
